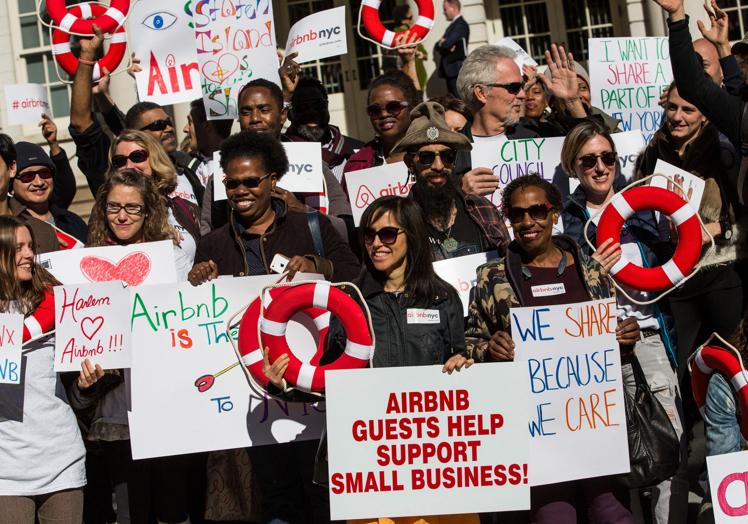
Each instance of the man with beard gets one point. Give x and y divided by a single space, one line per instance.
310 122
459 224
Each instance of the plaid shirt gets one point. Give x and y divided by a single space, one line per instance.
489 221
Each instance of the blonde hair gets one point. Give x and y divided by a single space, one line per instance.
164 172
575 141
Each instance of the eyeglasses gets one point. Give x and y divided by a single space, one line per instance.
137 156
387 235
251 182
609 158
536 212
512 87
393 107
158 125
113 208
427 158
29 176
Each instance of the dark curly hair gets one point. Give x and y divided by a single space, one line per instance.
552 193
400 80
251 144
275 91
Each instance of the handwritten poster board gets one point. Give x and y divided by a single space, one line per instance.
728 485
577 415
366 185
628 76
460 273
161 35
178 338
92 322
319 35
691 184
11 333
413 440
235 44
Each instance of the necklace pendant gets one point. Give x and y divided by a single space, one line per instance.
450 244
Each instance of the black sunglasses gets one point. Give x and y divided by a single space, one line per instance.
158 125
393 107
427 158
609 158
536 212
113 208
251 182
387 235
512 87
29 176
137 156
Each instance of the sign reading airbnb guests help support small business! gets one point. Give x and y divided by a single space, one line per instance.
728 484
413 440
319 35
577 415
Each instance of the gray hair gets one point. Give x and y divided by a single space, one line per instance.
479 68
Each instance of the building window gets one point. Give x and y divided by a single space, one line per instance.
586 19
372 59
526 22
737 13
36 54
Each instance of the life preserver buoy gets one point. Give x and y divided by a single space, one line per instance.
709 359
249 343
373 25
42 320
359 344
74 20
67 60
687 253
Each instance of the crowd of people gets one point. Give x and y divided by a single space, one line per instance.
64 439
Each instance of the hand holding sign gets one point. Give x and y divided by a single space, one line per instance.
89 374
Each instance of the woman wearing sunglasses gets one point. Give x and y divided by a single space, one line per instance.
390 99
534 260
589 155
138 150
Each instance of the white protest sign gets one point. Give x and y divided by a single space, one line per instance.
460 273
522 58
728 484
134 264
577 414
160 34
235 44
11 333
25 103
366 185
92 322
693 186
319 35
629 145
413 440
179 340
628 76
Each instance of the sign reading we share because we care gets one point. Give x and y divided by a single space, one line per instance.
577 413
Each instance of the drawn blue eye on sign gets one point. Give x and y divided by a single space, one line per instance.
160 20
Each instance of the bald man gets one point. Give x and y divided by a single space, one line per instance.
710 57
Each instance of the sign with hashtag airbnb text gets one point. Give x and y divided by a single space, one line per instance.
25 103
404 439
366 185
728 484
319 35
11 332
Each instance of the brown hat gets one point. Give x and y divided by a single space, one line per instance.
427 126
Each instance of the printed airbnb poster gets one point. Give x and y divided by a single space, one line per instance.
25 103
461 273
92 322
414 440
11 333
577 415
728 485
319 35
366 185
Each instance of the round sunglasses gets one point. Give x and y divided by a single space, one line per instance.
393 107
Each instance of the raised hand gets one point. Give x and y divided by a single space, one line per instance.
49 129
89 46
718 30
674 8
289 73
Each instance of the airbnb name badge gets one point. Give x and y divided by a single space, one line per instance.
422 316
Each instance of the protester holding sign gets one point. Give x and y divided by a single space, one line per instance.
589 155
41 449
540 269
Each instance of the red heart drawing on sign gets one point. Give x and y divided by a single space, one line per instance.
221 70
133 269
91 326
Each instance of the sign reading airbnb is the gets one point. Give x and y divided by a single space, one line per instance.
728 484
366 185
413 441
92 322
319 35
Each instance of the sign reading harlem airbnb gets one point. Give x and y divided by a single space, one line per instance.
366 185
92 322
161 35
728 485
404 439
319 35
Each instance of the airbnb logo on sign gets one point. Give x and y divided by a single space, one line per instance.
726 507
364 197
313 35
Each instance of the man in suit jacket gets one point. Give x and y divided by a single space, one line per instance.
452 48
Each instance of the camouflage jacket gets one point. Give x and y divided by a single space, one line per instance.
495 293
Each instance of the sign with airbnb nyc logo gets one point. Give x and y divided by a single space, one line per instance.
319 35
366 185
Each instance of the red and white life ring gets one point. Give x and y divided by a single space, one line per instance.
709 359
359 344
249 343
67 60
73 20
687 253
373 25
42 320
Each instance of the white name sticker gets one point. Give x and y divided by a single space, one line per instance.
548 290
423 316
